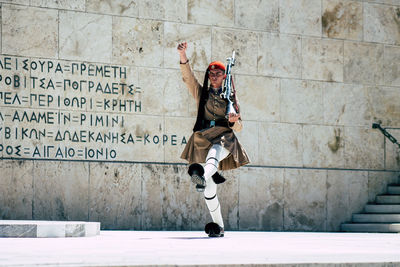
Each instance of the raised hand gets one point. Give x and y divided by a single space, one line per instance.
233 117
182 51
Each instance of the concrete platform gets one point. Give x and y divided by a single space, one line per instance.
135 248
10 228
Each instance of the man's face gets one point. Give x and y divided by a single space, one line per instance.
216 77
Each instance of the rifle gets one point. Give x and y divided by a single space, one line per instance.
229 87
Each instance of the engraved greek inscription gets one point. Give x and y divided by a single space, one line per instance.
63 110
8 98
11 150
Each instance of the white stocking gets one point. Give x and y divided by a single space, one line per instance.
214 156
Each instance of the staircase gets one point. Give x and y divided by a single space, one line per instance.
383 216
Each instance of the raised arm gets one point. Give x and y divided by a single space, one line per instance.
182 52
187 74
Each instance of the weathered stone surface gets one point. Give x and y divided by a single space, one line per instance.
22 2
199 44
323 146
137 41
15 128
385 105
152 198
85 36
74 230
28 31
1 25
47 229
243 42
342 19
199 213
115 195
280 144
147 132
301 101
381 23
178 196
228 195
46 81
347 104
314 110
392 65
261 199
259 97
154 81
92 228
363 148
211 12
347 193
378 182
356 105
257 15
23 90
169 199
60 4
114 7
176 129
363 63
392 151
16 190
300 17
248 137
279 55
61 190
176 98
389 2
305 205
322 59
2 140
170 10
10 230
61 147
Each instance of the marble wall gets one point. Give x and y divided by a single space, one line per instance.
146 196
312 76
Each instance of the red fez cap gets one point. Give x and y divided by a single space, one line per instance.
216 65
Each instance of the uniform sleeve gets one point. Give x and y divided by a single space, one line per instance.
236 126
190 80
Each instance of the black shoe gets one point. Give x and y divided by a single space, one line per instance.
200 188
196 172
214 230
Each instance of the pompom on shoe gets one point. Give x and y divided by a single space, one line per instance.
196 172
218 178
214 230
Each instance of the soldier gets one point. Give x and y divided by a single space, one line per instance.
213 141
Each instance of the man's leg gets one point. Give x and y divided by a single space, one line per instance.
214 156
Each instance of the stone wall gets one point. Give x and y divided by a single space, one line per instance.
94 113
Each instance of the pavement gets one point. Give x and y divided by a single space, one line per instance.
188 248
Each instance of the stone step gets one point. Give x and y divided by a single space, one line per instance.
371 227
376 218
16 228
382 208
394 189
388 199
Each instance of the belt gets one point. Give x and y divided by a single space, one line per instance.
212 123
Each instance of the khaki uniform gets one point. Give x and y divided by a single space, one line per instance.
201 141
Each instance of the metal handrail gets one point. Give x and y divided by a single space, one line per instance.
385 133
